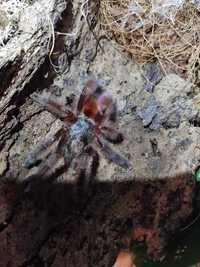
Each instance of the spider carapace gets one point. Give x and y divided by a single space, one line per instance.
88 125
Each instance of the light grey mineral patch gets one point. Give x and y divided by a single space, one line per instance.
148 112
3 20
153 76
155 116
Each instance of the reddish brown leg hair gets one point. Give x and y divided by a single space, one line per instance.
38 153
54 105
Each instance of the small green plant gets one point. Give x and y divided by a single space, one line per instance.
197 174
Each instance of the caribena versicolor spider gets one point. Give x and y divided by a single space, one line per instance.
88 125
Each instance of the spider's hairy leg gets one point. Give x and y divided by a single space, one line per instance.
54 105
112 112
85 165
45 170
107 107
90 162
62 148
108 126
111 155
111 134
95 159
37 154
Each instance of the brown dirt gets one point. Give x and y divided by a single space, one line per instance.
58 225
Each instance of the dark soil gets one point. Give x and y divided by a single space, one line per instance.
59 225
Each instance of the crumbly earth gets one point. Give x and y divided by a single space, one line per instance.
55 225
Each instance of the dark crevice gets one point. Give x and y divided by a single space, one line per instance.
38 82
8 73
16 128
63 26
66 23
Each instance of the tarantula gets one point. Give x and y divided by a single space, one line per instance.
86 127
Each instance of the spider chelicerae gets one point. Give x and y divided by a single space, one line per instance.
88 125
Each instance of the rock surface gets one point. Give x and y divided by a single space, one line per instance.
147 203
